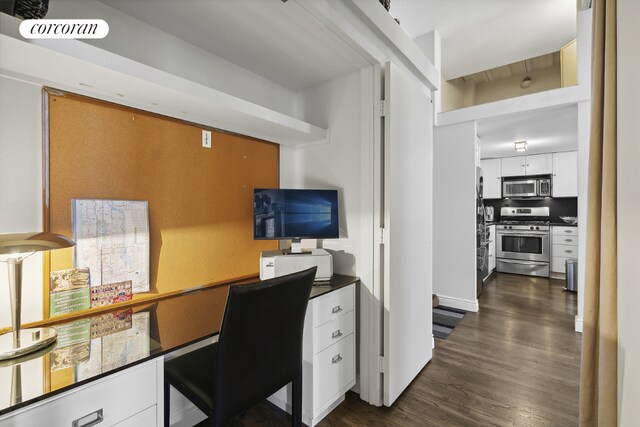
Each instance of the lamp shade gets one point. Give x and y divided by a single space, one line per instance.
15 243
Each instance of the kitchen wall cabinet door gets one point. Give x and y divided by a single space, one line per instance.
492 175
513 166
538 164
565 174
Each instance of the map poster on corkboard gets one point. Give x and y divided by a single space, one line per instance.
113 241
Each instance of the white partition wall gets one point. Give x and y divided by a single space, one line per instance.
454 264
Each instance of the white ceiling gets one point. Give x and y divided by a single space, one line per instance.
481 34
546 131
268 37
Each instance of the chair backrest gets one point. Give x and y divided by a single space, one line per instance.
260 341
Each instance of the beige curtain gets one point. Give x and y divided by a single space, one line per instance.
599 373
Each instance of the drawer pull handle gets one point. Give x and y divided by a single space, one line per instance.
568 251
336 359
336 309
89 420
336 334
568 240
568 231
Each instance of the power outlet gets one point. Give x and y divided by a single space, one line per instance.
206 138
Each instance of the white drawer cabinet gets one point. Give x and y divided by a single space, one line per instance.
566 251
564 246
148 417
559 230
332 332
331 306
119 399
328 365
334 371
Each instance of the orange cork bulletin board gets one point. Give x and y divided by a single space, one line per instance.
200 199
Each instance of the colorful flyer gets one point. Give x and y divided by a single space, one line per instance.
112 293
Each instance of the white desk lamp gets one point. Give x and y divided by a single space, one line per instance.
14 248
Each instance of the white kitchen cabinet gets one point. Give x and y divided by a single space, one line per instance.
492 178
329 364
537 164
513 166
565 174
133 394
564 246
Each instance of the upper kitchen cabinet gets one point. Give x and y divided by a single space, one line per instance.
538 164
513 166
565 174
492 178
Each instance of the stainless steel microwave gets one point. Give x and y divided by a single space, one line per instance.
527 188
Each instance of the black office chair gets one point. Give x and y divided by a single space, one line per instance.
259 351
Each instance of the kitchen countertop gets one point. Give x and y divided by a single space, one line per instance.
563 224
92 347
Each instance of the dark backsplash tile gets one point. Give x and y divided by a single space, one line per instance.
565 206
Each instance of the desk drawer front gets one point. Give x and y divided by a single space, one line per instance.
333 305
118 397
334 369
146 418
332 332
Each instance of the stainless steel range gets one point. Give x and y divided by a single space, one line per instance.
522 241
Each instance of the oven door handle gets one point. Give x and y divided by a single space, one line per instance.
522 262
523 234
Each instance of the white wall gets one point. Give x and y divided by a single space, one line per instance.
584 131
628 213
21 186
584 125
454 218
337 164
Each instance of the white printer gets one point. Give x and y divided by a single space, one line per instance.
276 263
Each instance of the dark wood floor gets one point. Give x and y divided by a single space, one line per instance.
514 363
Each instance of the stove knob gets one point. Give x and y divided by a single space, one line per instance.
531 228
505 227
510 227
537 228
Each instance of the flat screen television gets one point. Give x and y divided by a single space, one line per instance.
295 214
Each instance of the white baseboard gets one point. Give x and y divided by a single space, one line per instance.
433 342
578 324
461 304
